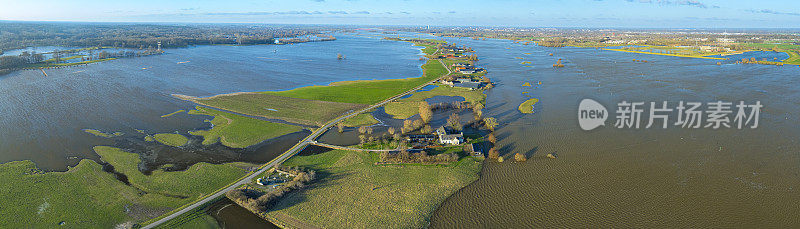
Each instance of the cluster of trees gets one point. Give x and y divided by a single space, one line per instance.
404 156
256 201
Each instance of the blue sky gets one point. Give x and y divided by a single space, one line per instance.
556 13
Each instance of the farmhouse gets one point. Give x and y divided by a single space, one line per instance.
449 136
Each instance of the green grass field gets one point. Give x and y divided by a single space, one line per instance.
85 196
405 108
303 111
364 91
175 140
353 192
237 131
527 106
363 119
198 180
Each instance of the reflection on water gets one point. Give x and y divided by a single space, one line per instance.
625 177
230 215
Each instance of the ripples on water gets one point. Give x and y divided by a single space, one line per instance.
632 178
43 117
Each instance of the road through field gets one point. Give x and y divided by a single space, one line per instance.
289 153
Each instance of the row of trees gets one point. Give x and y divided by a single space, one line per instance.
256 201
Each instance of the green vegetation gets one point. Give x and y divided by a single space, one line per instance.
365 91
175 140
237 131
196 181
404 108
353 192
683 52
303 111
363 119
173 113
197 218
83 197
102 134
149 138
527 106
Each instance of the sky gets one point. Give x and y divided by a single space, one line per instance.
515 13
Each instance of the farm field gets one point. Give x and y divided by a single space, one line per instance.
353 192
237 131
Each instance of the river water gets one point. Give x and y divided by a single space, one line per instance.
44 117
604 177
614 177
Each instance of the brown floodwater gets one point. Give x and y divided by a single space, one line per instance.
611 177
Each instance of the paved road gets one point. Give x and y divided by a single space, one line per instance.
289 153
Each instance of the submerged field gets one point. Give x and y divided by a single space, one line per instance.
353 192
86 196
237 131
364 91
303 111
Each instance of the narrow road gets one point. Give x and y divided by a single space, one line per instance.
310 139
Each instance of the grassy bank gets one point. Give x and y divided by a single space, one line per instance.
303 111
527 106
173 113
363 119
175 140
364 91
404 108
701 56
83 197
237 131
87 197
198 180
102 134
353 192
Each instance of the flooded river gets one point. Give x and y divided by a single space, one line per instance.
632 177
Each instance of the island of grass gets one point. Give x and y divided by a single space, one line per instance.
175 140
85 196
363 119
527 106
102 134
407 107
173 113
353 192
238 131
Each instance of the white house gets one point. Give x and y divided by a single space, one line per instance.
448 136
